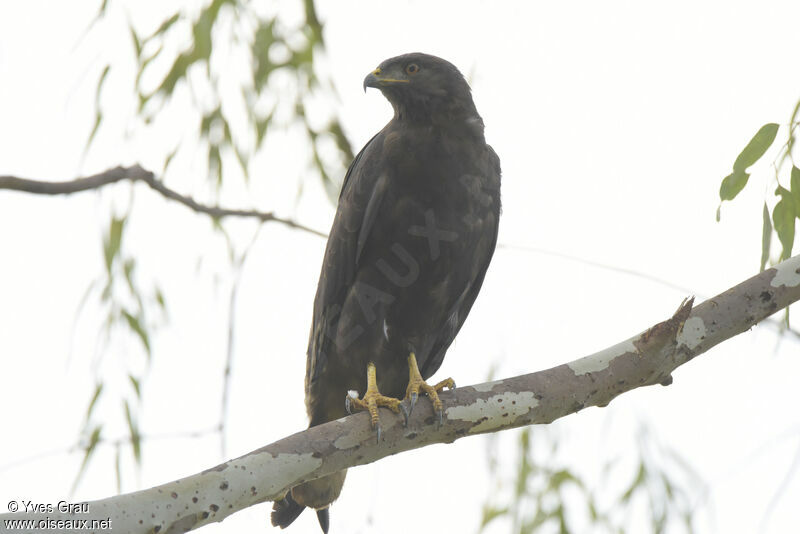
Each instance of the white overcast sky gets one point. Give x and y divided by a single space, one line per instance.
614 121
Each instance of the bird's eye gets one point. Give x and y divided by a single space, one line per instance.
412 68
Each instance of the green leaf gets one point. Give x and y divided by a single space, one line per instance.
98 115
558 478
136 386
215 164
732 185
118 468
136 325
261 127
100 83
593 515
175 74
640 478
137 43
133 428
143 65
766 237
127 268
490 513
524 465
757 146
98 118
202 28
160 299
785 194
166 25
264 39
783 217
94 439
169 157
98 389
795 185
243 160
112 242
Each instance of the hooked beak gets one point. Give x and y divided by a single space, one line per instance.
378 79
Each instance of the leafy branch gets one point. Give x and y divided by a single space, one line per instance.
786 209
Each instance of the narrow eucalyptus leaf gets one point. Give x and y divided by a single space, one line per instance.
795 185
100 83
135 325
98 390
783 217
732 185
133 429
114 238
491 513
766 237
137 43
135 384
167 24
98 118
757 146
91 446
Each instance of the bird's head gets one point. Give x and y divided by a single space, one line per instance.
420 86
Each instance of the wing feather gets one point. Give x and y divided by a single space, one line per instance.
359 200
464 304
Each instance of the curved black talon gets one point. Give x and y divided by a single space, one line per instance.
347 404
414 397
406 413
379 432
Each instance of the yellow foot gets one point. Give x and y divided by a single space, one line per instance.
372 399
416 383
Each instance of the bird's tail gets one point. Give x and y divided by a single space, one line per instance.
285 511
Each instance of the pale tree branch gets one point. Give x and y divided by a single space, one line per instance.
541 397
138 174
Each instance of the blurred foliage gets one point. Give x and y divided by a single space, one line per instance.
652 492
126 309
785 201
281 81
247 70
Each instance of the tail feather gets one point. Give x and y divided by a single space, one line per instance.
285 511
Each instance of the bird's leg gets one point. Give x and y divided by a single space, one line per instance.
372 399
416 383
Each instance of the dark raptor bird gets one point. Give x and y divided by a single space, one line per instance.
413 235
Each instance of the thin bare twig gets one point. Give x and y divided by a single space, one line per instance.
778 325
111 442
599 265
238 265
134 174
